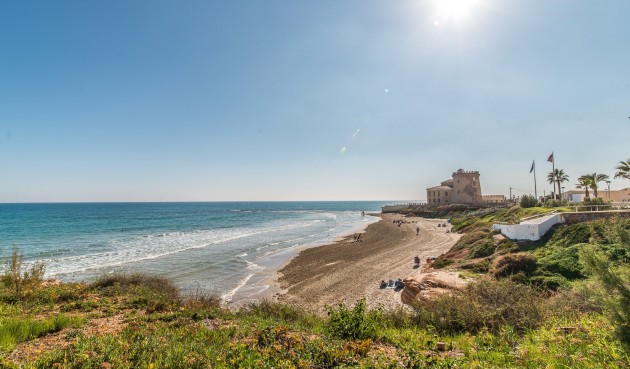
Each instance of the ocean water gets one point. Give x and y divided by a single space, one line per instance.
219 248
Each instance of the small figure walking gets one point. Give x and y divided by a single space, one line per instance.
416 261
417 231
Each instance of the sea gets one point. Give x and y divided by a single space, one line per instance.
227 249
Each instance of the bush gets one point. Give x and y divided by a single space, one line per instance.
470 238
487 304
595 201
150 292
482 248
615 284
549 282
441 262
563 261
151 282
528 201
554 203
354 323
478 267
22 282
513 263
281 311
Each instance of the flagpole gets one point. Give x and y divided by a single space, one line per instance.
553 170
535 190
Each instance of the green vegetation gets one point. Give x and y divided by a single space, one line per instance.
623 169
21 281
564 260
492 324
528 201
556 178
15 330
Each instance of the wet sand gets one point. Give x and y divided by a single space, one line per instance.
346 271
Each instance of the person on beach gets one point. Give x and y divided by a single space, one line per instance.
416 261
417 231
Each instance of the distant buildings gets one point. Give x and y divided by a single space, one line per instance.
463 188
622 195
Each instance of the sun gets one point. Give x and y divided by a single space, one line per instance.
453 10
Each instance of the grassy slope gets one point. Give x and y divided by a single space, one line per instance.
557 254
160 329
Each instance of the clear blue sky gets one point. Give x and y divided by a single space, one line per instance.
295 100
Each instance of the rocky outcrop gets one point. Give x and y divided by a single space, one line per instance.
426 284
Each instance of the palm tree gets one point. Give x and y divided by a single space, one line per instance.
593 179
584 183
551 178
561 177
623 169
556 177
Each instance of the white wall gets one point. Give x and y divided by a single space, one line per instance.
529 230
576 197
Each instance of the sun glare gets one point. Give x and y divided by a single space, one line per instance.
453 10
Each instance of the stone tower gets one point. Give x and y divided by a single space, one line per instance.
466 187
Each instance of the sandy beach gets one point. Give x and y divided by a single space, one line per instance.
346 271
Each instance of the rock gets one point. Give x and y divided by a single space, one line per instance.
411 290
497 238
426 284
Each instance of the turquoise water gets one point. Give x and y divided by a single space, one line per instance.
217 247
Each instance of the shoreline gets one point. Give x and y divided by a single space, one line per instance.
346 271
263 285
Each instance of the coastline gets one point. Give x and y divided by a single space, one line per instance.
345 271
263 285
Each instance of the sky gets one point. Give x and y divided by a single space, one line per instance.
295 100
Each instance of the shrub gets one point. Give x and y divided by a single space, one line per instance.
19 281
202 300
595 201
554 203
354 323
571 235
615 283
441 262
153 293
470 238
528 201
506 245
281 311
478 267
151 282
564 261
549 282
513 263
486 304
482 248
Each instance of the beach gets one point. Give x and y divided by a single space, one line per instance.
346 271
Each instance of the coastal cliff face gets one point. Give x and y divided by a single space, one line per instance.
424 285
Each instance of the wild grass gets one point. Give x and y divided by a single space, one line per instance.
492 324
15 330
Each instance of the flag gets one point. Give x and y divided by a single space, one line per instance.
550 158
533 163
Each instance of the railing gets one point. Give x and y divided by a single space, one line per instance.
539 215
608 207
